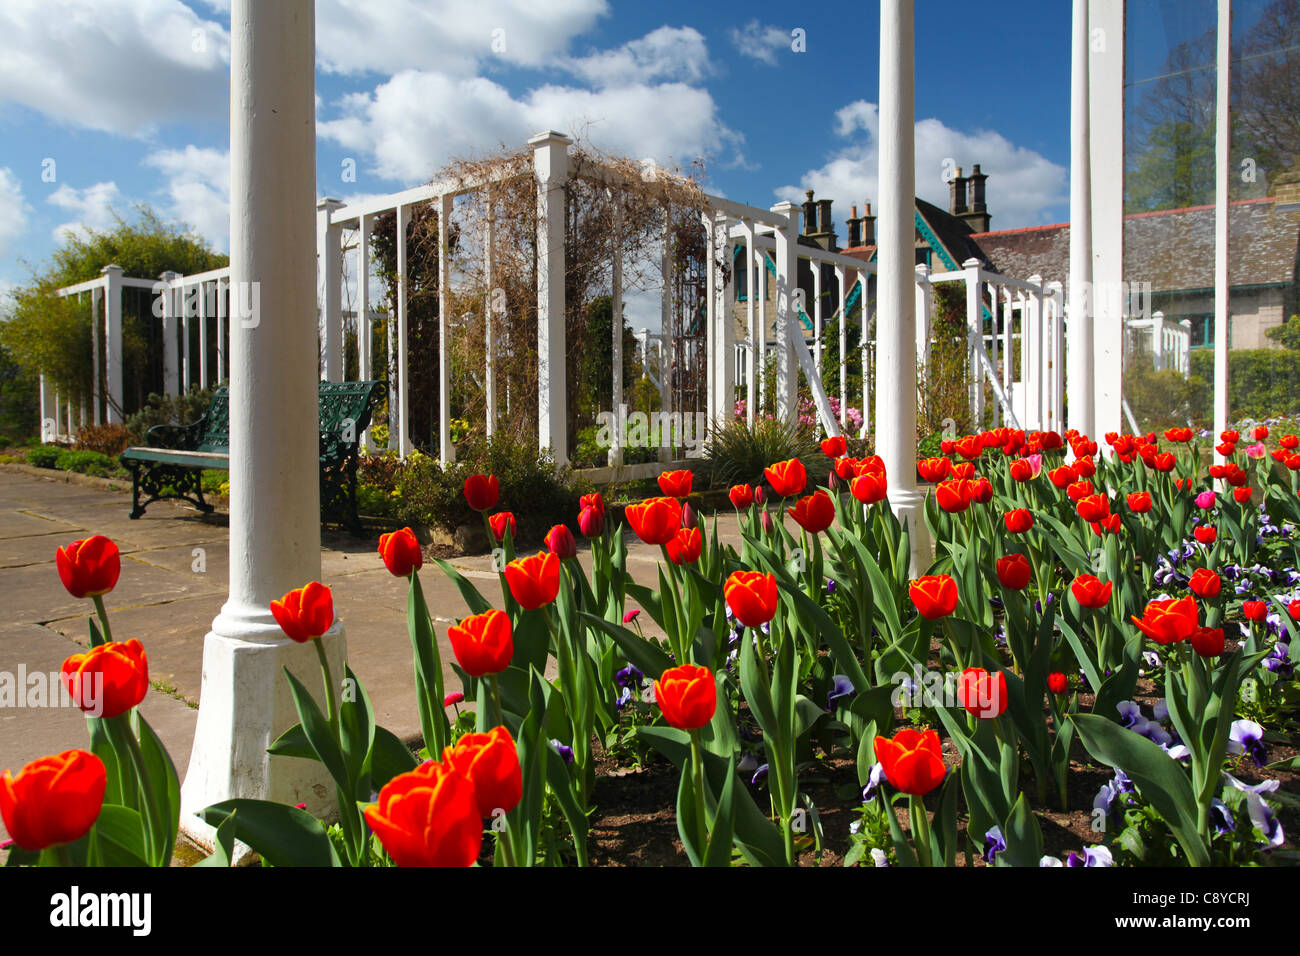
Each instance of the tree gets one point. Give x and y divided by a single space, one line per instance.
1288 333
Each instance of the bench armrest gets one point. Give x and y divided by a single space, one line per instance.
179 437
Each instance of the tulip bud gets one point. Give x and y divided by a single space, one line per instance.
834 481
591 522
760 494
559 541
767 522
688 516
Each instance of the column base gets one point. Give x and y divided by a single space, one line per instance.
909 506
245 705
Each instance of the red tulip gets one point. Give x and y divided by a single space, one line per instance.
935 596
401 552
964 471
1289 442
912 761
591 522
1108 525
305 614
1261 432
970 447
534 582
1089 591
1021 470
982 694
482 491
1205 583
953 496
687 695
655 520
1084 467
1208 641
869 487
559 541
981 491
89 568
1205 535
1079 490
1168 622
1063 477
53 800
934 469
1254 610
816 512
1018 521
742 496
491 762
428 817
686 546
483 643
1139 502
499 521
1058 683
835 446
1014 572
108 680
1241 495
594 500
752 597
1093 508
787 478
676 484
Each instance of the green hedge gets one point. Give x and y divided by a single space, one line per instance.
1262 383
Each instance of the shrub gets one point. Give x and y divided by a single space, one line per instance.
738 453
108 440
168 410
85 462
43 456
1261 382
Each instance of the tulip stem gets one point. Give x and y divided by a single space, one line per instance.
697 773
105 630
920 829
331 710
120 728
496 701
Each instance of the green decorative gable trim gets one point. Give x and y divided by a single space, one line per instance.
928 235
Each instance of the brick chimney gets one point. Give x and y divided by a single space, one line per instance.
868 225
825 234
855 227
809 213
978 217
957 194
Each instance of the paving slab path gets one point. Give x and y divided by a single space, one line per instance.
175 564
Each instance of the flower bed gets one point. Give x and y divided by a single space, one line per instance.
1097 668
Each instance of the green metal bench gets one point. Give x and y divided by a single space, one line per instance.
172 464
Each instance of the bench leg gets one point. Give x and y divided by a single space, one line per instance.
136 508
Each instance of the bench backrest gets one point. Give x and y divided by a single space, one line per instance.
344 414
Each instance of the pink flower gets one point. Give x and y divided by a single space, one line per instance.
1256 451
1205 499
1035 465
455 697
630 616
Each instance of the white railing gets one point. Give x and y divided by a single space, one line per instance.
1171 342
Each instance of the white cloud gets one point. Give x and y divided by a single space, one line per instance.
450 36
122 66
92 207
759 42
1022 184
13 209
415 122
668 53
197 184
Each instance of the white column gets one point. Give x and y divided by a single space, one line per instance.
922 319
615 453
96 350
1058 356
329 264
274 442
1079 379
974 329
864 279
171 345
185 306
1158 341
551 167
817 313
445 450
1035 366
49 412
490 318
786 322
223 291
710 315
841 277
1106 178
760 266
1222 142
403 218
203 334
895 411
666 330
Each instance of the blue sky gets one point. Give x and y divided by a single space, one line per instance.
104 103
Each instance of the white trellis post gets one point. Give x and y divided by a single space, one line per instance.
710 314
786 239
113 410
96 398
403 218
974 329
171 347
187 349
1222 159
365 330
760 345
49 427
1034 364
203 334
666 335
1057 355
752 357
274 470
724 374
841 278
817 314
923 290
614 456
895 410
490 319
863 278
446 451
223 291
1158 340
329 239
551 167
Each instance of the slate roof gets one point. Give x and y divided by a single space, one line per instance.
1172 249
